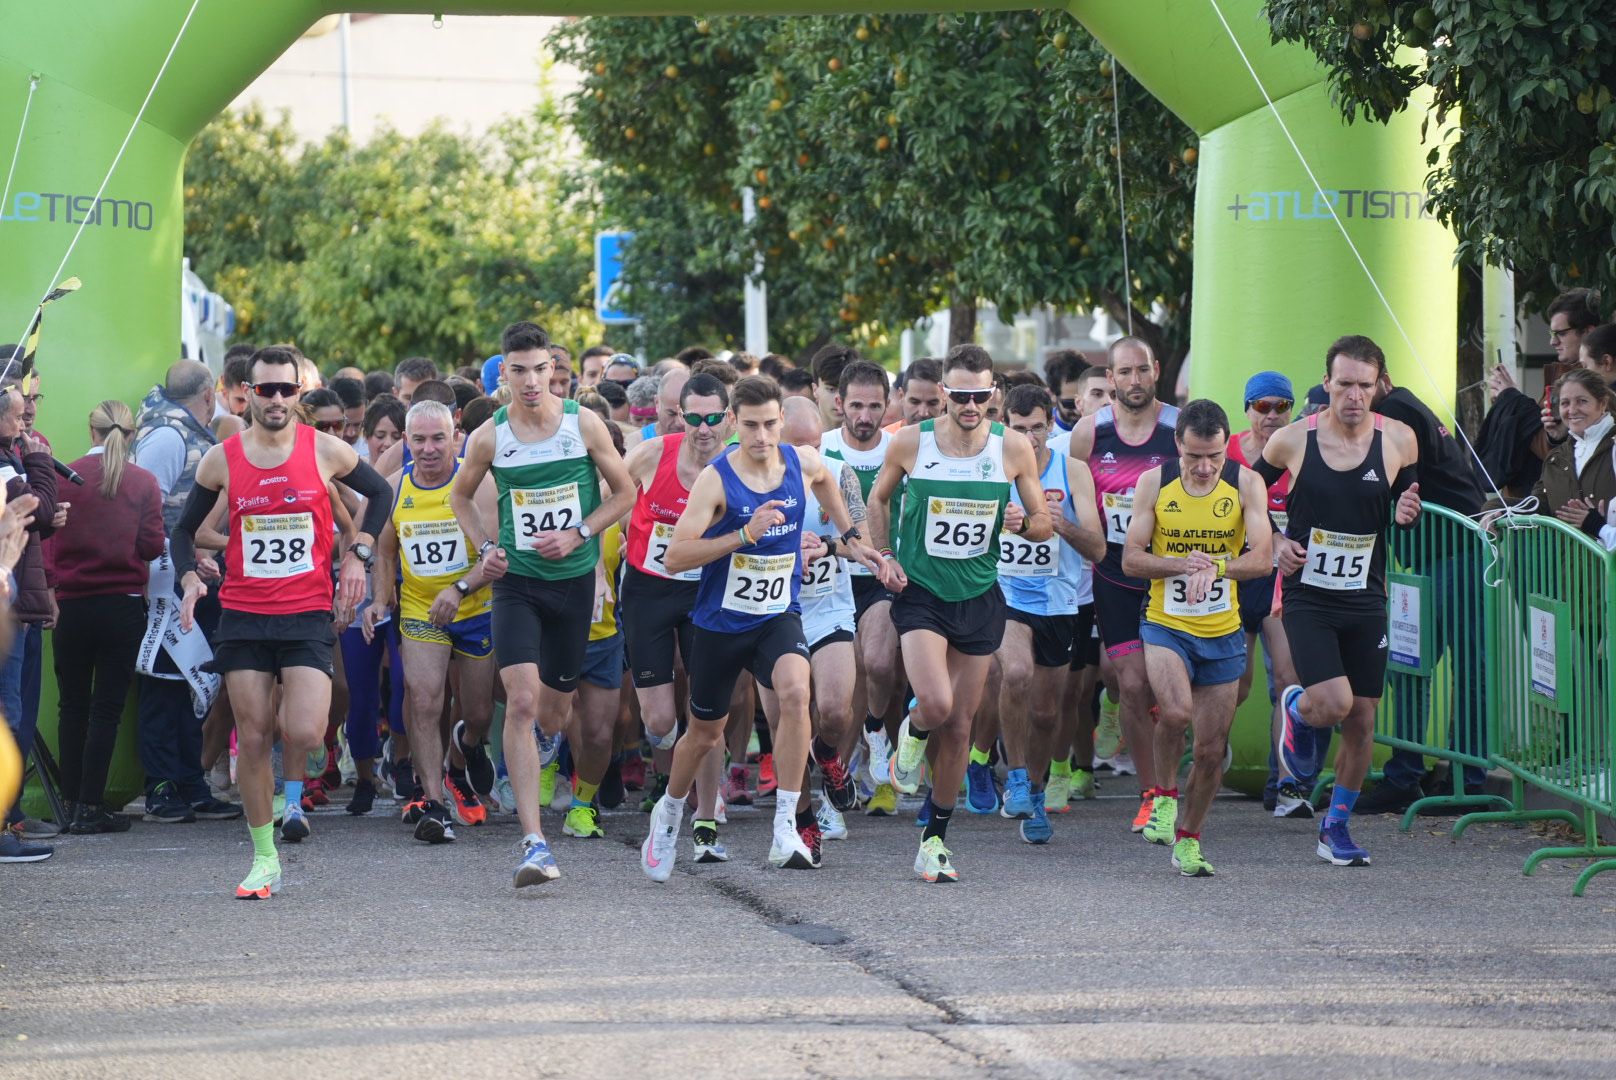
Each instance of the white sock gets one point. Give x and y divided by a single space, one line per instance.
673 806
785 809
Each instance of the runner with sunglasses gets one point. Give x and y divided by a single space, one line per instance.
656 606
1119 444
277 590
549 459
948 610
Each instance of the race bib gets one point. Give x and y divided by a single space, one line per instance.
1117 509
545 510
656 550
821 580
1280 519
959 528
1025 558
1338 561
433 548
277 545
1176 600
759 584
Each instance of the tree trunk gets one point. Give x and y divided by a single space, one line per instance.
1168 349
1470 404
962 320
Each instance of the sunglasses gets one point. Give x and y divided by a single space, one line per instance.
277 389
1068 402
1265 407
973 397
331 427
696 419
624 383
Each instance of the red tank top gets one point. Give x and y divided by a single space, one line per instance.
656 512
278 561
1280 487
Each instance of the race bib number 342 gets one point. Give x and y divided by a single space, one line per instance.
277 545
545 510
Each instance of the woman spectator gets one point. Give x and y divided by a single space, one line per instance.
1578 484
102 554
384 424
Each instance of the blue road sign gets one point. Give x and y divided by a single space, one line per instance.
609 248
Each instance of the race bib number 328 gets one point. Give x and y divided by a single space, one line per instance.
277 545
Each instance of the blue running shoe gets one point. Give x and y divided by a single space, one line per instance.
1298 740
1018 800
549 746
1035 828
1336 846
294 826
923 818
981 789
537 865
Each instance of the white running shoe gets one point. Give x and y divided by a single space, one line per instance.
880 751
1122 765
661 847
789 852
832 825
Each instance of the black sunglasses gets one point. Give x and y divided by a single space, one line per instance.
696 419
1068 402
974 397
277 389
331 427
624 383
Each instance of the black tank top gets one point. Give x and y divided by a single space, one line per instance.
1340 516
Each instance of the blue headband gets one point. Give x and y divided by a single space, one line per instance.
1268 384
491 368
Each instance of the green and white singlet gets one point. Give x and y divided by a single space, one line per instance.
543 486
953 510
866 466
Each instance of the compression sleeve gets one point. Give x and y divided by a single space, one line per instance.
1404 481
1269 472
378 493
182 544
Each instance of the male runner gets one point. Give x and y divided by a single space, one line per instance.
1040 583
744 528
549 459
277 591
948 611
657 604
1118 444
1191 519
444 622
1351 470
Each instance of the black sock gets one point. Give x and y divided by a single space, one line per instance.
873 722
919 733
937 825
822 750
805 818
765 740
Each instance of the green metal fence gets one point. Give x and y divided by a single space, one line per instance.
1551 670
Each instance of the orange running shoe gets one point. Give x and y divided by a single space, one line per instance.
766 782
413 810
1147 803
467 808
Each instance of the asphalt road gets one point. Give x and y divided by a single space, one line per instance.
127 957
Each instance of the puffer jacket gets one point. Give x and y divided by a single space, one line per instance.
32 474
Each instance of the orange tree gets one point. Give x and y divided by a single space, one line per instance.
901 166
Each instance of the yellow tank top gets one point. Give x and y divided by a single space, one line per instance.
432 551
611 554
1212 523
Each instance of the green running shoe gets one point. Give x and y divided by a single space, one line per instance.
1163 817
907 760
934 862
547 782
1187 858
583 822
1108 732
279 810
263 880
1083 784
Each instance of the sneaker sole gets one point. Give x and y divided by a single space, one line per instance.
568 830
533 875
796 860
1036 840
1328 856
1162 840
158 819
292 833
1204 871
1300 810
216 816
259 894
432 831
711 855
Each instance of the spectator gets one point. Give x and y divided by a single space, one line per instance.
1578 484
103 550
1598 352
410 373
377 383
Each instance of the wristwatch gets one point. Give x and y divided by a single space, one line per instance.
852 534
463 587
584 530
363 553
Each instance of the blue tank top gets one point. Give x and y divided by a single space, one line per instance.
755 584
1042 578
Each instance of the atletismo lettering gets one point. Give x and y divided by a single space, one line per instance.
1347 202
52 206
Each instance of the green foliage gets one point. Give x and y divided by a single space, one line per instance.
1529 178
406 245
901 165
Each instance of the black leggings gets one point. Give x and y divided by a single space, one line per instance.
95 643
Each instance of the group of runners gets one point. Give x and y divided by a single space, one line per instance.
900 601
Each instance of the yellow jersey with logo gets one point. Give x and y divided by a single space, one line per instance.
432 551
604 624
1212 523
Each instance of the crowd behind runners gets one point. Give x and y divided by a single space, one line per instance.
550 586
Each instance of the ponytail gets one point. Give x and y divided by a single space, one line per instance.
113 421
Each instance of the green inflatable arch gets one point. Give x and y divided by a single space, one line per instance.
1274 281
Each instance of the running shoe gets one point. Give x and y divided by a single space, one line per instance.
766 779
1163 820
413 809
584 823
314 762
278 809
884 803
813 838
505 795
659 788
14 849
1142 818
561 801
661 846
1108 732
1292 800
735 790
479 766
611 793
295 825
790 849
1298 740
1057 794
263 880
90 820
537 865
981 789
1035 828
832 825
720 814
1336 846
1083 784
434 826
209 808
1187 858
935 863
1122 764
707 847
837 784
364 798
634 771
405 787
549 746
880 750
467 808
907 761
1018 798
923 815
547 782
314 794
